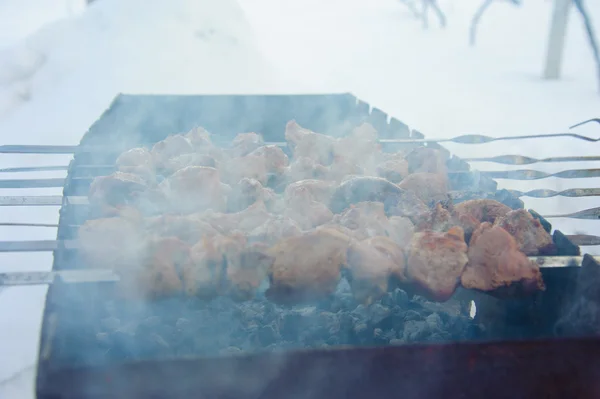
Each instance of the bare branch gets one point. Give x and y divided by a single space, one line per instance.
476 18
591 35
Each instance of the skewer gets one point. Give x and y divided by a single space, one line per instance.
463 139
108 276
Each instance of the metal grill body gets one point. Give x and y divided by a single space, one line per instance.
72 365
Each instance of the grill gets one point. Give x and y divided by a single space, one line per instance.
521 350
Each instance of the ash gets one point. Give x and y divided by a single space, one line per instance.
222 327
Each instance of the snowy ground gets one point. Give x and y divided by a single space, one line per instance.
56 83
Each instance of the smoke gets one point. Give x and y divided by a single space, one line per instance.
158 320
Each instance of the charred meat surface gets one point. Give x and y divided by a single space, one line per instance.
497 266
436 262
307 267
483 210
528 232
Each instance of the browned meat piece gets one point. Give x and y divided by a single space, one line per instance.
244 278
244 143
205 274
360 148
438 219
306 143
365 219
108 194
305 211
172 146
341 167
428 187
443 216
393 170
249 166
400 230
247 192
173 164
116 243
275 229
276 160
497 266
307 267
189 228
308 213
244 221
160 275
200 139
371 263
137 161
483 210
302 168
426 160
436 262
194 189
529 233
318 190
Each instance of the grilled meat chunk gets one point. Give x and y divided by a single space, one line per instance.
249 166
244 143
307 212
307 267
173 146
529 233
362 188
205 273
400 230
109 194
274 229
176 163
247 192
160 275
426 160
308 144
497 266
371 264
244 221
428 187
482 210
365 219
436 261
275 159
194 189
318 190
188 228
244 277
394 170
138 161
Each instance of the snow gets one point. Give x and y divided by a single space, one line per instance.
56 81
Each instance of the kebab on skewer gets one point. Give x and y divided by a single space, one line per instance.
188 217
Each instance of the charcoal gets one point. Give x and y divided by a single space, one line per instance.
221 327
361 332
183 324
507 198
564 246
434 322
231 350
412 315
110 324
400 297
415 330
380 316
545 224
